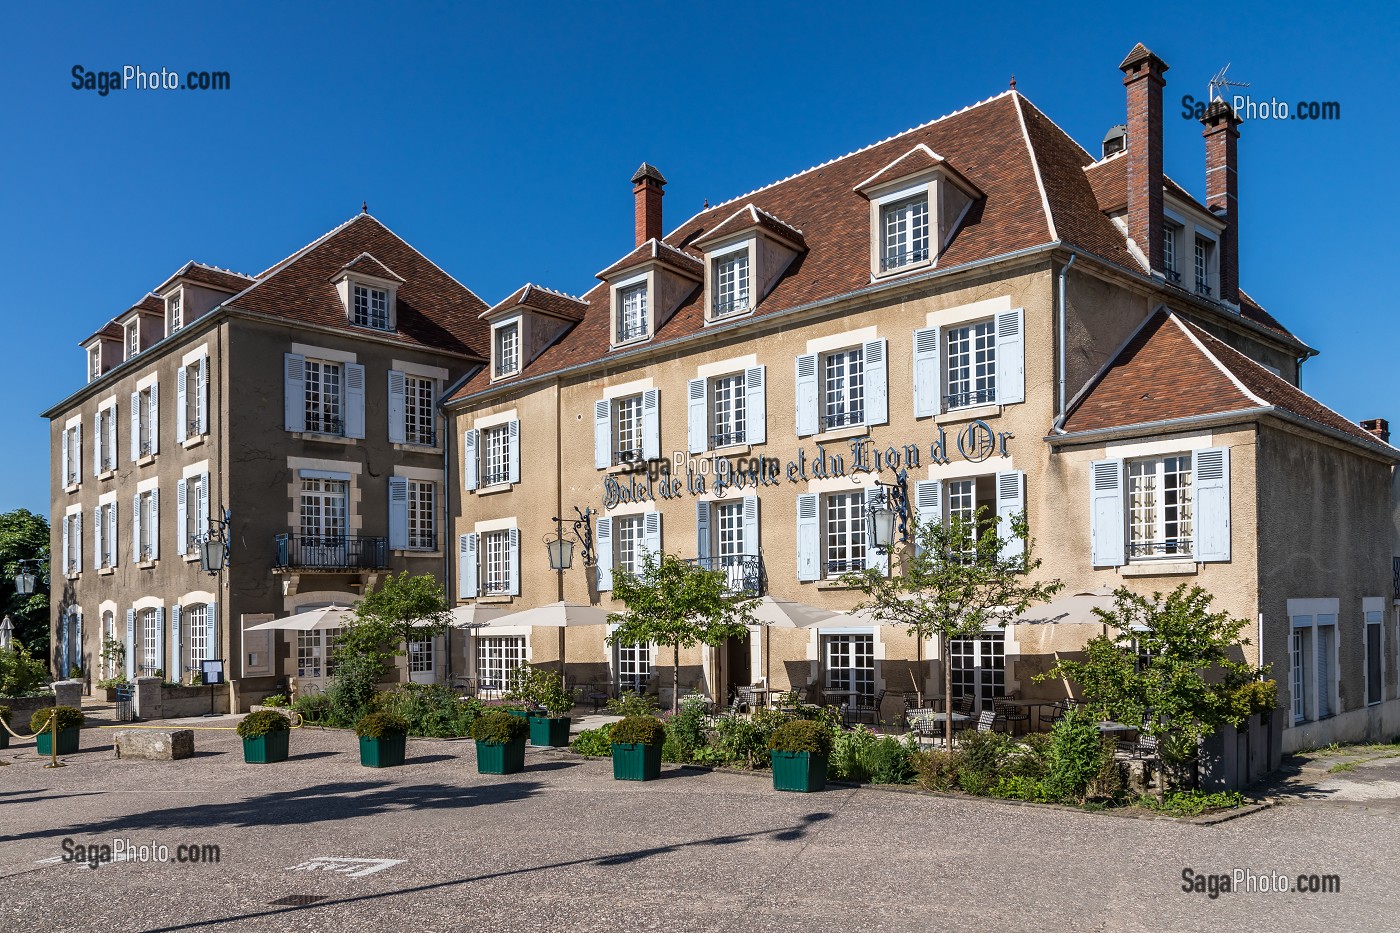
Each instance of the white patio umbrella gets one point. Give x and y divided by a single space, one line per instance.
474 616
310 621
1073 608
784 613
557 615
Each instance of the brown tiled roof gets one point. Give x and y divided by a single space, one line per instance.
365 264
749 216
214 277
543 299
433 310
661 252
1109 179
918 159
111 330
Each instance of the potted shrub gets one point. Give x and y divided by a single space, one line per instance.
636 748
500 742
69 721
800 750
109 685
4 730
549 725
264 736
383 740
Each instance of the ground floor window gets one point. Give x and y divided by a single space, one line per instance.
633 666
1374 667
845 535
1312 666
496 657
311 655
420 657
850 664
196 624
1298 671
979 668
110 667
150 641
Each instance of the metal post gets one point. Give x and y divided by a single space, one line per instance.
53 740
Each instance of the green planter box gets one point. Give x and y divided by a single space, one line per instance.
798 771
522 713
386 752
636 762
500 759
552 732
67 742
266 749
4 738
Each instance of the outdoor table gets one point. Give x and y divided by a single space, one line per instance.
1113 728
928 715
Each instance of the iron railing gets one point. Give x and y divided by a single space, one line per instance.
841 419
324 424
1202 288
626 331
194 428
1172 276
838 567
975 397
507 367
495 478
1395 567
895 260
732 306
107 465
1172 547
627 456
724 440
423 437
145 448
331 552
744 572
422 542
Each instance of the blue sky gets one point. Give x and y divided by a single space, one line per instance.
499 140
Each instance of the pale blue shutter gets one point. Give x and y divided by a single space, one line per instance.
135 426
66 622
755 405
513 451
751 540
602 434
696 416
67 554
154 531
397 406
202 513
1011 500
602 534
928 506
1106 514
182 514
466 566
78 542
136 555
1011 357
702 529
211 629
398 513
155 418
354 400
159 653
651 533
471 459
64 464
1210 471
928 373
513 543
877 393
130 644
111 438
203 413
181 391
97 533
78 639
112 531
294 391
651 424
174 672
97 444
874 559
806 395
808 538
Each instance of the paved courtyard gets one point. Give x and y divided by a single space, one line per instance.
564 847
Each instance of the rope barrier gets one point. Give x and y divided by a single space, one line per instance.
16 734
297 722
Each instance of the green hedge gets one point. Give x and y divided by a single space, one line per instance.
264 721
380 725
801 735
68 718
500 728
638 730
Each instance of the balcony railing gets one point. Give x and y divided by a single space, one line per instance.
896 260
630 330
323 424
834 568
1172 275
1202 288
145 448
975 397
841 419
495 478
627 456
727 438
331 552
730 306
1172 547
1395 568
193 428
744 572
423 437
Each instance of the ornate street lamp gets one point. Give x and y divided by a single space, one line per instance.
561 549
213 550
888 512
28 577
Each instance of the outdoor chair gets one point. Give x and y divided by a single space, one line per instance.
868 705
839 700
748 699
987 721
924 724
966 704
1011 714
1048 714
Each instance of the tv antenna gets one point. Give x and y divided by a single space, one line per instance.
1221 81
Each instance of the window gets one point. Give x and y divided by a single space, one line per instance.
1170 240
106 441
196 511
72 455
1326 672
1374 666
418 411
979 668
150 641
1159 507
147 526
627 429
729 402
966 498
843 388
324 398
495 455
850 664
1204 250
497 657
630 543
632 313
195 621
94 355
131 337
420 657
144 423
313 653
192 379
731 283
323 513
371 308
174 315
72 543
109 632
1313 651
495 563
727 519
1298 674
422 517
972 365
633 666
508 349
904 233
845 532
104 535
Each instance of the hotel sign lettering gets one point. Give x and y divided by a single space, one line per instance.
684 475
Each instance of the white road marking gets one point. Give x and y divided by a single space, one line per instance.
350 867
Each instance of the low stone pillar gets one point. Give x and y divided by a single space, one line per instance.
148 698
68 693
154 744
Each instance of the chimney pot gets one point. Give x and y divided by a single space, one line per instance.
647 190
1379 427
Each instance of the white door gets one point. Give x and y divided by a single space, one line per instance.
422 661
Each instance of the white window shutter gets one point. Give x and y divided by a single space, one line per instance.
67 553
160 636
97 444
1210 480
471 459
97 534
77 541
808 538
136 556
751 540
928 504
155 524
135 426
78 450
204 504
203 413
1011 500
651 533
928 373
806 395
398 513
211 628
1011 357
154 432
877 388
513 451
602 434
173 672
874 559
181 395
697 416
64 454
702 529
112 435
603 543
294 391
354 400
651 424
466 566
112 531
182 515
513 544
1107 530
398 390
755 405
130 644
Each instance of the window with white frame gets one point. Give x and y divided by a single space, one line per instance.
843 388
148 525
1326 638
150 640
629 537
632 312
979 668
1204 256
195 402
844 532
196 510
633 662
973 501
850 664
105 444
1375 659
370 308
495 455
495 563
110 667
105 535
174 313
325 398
312 654
627 429
194 622
131 337
729 400
730 275
420 657
508 349
323 513
1171 246
497 657
1160 507
904 230
94 355
422 515
1298 673
1313 667
144 420
971 364
418 411
72 440
727 546
73 543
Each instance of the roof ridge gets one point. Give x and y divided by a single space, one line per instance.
1087 154
205 265
1035 167
555 291
277 266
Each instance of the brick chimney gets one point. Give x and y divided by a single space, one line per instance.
1143 76
1222 133
1379 427
646 188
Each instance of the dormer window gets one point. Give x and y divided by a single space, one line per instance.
1171 246
131 338
904 232
507 349
632 312
371 307
174 314
1205 262
731 283
916 204
94 355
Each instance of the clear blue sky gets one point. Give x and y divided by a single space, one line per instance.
499 140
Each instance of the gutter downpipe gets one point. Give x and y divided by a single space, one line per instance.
1063 328
448 538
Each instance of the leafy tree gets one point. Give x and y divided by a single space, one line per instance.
954 582
671 602
1182 679
404 609
25 536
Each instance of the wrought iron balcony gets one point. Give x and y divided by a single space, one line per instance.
841 419
1202 288
834 568
975 397
727 439
495 478
627 456
744 572
1172 275
323 424
630 330
730 306
896 260
330 552
1172 547
422 437
507 366
145 448
194 428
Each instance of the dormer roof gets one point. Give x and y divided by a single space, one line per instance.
916 161
366 264
751 217
654 250
541 299
223 280
109 331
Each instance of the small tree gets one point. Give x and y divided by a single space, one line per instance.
955 581
1169 664
671 602
24 537
405 609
